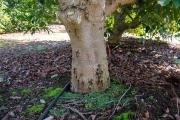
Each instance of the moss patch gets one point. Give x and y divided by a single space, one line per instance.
34 109
26 91
123 116
51 92
97 100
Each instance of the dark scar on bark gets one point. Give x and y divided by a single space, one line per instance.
75 72
90 82
99 74
77 53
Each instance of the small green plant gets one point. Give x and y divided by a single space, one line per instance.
34 109
151 98
26 91
57 112
51 92
14 93
177 61
123 116
89 105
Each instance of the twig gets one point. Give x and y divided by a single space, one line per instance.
79 113
119 102
177 104
8 115
177 99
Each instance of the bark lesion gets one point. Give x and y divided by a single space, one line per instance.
77 78
72 10
77 53
75 72
90 84
99 74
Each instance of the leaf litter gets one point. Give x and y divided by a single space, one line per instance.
152 69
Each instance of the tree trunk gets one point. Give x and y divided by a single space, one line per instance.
116 37
89 58
120 25
84 21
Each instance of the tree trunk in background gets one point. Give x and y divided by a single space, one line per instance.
120 25
89 58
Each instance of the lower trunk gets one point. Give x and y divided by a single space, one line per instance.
89 58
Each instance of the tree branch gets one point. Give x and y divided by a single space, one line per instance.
112 5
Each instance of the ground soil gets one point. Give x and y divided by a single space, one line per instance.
149 67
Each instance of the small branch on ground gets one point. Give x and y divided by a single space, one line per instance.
177 99
79 113
8 115
114 111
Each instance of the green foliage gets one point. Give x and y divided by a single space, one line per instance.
176 3
51 92
166 2
163 2
30 15
156 19
24 92
138 31
34 109
5 24
151 16
109 22
123 116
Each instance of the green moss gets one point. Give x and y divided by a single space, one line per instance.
57 112
123 116
51 92
151 98
177 61
34 109
26 91
103 99
14 93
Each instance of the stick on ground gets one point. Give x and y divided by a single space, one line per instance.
114 111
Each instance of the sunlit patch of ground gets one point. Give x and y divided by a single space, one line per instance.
57 33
